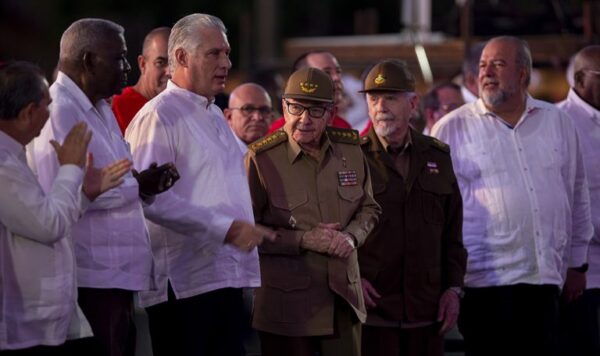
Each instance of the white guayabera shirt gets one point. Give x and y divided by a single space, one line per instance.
189 222
38 295
525 196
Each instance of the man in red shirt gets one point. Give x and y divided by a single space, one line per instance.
154 73
326 62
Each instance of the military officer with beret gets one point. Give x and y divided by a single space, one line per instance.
310 183
413 263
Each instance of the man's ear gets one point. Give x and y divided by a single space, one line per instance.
181 57
141 63
227 113
87 62
578 81
414 103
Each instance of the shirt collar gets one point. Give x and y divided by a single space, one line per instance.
531 106
294 149
589 110
407 143
63 80
189 94
11 145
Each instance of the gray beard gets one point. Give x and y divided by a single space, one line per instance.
494 99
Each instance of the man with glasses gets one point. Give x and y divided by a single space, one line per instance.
310 183
580 324
438 101
249 113
154 73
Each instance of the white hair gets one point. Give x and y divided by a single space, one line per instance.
185 34
84 35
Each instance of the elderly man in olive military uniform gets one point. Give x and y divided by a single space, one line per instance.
310 183
412 265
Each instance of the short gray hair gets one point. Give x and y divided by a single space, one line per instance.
83 36
184 34
523 54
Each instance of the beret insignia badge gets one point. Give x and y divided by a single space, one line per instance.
308 87
380 79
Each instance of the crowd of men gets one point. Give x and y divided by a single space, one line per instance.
366 244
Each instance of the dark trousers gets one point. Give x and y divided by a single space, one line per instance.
580 325
515 320
390 341
110 313
344 341
205 324
76 347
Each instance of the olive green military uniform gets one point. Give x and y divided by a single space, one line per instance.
292 193
416 252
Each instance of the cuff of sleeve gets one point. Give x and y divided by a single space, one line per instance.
578 256
70 173
221 225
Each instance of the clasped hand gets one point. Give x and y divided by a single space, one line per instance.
327 238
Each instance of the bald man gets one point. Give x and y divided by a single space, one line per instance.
154 73
580 319
249 113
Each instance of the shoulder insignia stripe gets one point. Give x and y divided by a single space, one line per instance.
343 135
268 141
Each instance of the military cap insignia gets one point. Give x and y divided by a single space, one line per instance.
308 88
268 141
380 79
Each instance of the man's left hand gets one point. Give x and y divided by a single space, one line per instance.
449 307
155 179
574 285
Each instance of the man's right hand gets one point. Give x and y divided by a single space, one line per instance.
74 148
99 180
369 293
246 236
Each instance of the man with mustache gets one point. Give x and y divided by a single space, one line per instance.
112 247
310 183
154 72
203 235
326 62
249 113
413 263
526 204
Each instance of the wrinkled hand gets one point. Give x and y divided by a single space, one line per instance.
155 179
99 180
246 236
370 294
449 307
317 240
574 286
342 245
74 148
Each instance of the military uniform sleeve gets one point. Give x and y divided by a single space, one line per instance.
288 241
367 215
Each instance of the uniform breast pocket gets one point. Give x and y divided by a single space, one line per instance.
286 206
350 198
434 193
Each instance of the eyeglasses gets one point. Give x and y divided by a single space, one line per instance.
316 112
448 107
247 110
596 72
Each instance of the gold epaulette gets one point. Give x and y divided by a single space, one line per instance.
343 135
268 141
440 145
